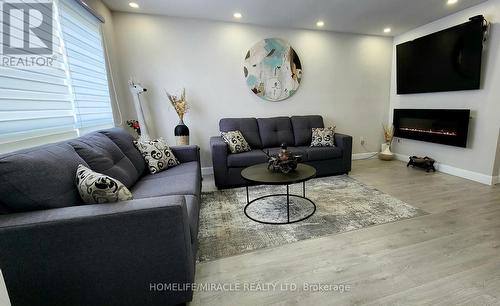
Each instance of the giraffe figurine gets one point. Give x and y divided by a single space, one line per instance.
137 90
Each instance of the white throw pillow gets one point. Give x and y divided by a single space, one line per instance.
157 154
96 188
323 137
236 142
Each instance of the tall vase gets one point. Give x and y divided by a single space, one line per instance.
181 133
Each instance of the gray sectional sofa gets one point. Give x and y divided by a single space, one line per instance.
266 135
56 251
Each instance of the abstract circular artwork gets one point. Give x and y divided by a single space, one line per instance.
272 69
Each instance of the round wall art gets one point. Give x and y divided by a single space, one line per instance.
272 69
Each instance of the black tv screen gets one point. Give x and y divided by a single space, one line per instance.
448 60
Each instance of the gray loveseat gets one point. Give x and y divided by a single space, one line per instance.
56 251
266 135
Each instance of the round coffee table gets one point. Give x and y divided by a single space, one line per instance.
259 174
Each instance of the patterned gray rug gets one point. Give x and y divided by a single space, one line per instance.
343 204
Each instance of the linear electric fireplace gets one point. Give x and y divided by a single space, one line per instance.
444 126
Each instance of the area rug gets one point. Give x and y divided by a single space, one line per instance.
343 204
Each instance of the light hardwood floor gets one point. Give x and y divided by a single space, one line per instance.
449 257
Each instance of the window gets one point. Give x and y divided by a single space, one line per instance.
47 103
87 67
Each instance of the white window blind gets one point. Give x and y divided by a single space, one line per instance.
35 104
87 67
52 103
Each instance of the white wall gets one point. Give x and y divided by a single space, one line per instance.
496 167
346 77
479 156
4 296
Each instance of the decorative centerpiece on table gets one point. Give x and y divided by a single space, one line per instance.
134 124
284 162
386 153
180 105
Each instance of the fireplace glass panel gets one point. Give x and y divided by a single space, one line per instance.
444 126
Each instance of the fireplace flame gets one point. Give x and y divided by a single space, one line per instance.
429 131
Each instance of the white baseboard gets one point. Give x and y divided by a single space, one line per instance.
358 156
207 170
466 174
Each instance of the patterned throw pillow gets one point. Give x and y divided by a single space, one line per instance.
157 154
323 137
97 188
236 141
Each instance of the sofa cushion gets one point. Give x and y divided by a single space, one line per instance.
246 159
125 142
40 178
322 153
275 131
104 156
247 126
3 209
193 211
97 188
302 128
180 169
184 179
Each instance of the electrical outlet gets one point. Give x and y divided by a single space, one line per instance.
362 141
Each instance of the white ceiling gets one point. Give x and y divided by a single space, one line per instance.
353 16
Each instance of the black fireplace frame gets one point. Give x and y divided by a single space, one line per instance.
460 116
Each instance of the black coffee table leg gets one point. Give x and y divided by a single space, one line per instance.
287 203
288 195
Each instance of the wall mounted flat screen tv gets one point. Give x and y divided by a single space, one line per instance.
448 60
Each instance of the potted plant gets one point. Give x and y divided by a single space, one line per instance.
180 105
134 124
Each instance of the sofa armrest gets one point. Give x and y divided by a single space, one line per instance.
186 153
220 151
345 143
82 255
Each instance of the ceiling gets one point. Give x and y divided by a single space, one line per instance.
352 16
